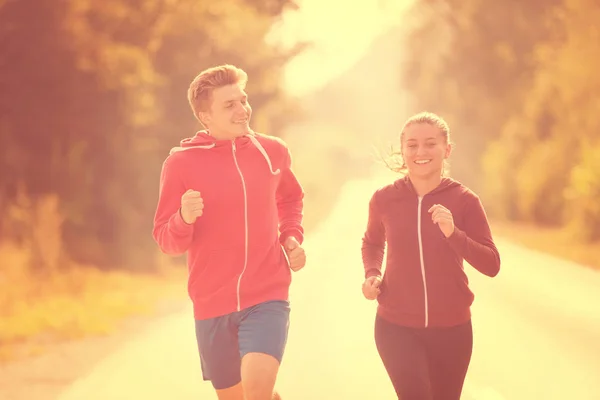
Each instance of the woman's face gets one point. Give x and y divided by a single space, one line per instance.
424 149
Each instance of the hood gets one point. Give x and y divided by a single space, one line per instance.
204 141
405 185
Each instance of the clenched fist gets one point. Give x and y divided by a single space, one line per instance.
370 287
192 206
295 253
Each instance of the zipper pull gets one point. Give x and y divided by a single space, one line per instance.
233 145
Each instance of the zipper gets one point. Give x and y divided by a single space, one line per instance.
233 149
422 262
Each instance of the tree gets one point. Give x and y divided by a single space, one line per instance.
472 61
557 179
97 96
516 83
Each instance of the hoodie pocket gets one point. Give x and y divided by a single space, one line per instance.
215 270
462 286
267 270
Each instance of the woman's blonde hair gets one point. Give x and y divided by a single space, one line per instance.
395 161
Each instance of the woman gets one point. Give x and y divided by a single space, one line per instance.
430 224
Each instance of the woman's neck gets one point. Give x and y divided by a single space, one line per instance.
425 185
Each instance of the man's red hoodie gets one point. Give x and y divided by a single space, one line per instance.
424 283
252 203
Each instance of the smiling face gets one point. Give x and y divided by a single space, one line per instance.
219 101
229 114
425 147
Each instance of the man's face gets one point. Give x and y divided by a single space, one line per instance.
229 113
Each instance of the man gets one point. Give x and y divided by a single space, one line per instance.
230 200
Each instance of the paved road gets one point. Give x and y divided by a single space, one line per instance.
537 328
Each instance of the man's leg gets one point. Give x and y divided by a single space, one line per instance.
219 356
263 333
233 393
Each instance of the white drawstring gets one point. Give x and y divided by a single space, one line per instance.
176 149
252 139
264 153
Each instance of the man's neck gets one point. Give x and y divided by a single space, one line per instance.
425 185
223 136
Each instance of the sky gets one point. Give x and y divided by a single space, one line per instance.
340 32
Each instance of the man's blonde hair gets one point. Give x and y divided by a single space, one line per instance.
201 88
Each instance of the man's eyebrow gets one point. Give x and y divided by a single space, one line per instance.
414 140
245 97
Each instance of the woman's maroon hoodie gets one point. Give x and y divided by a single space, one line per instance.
424 283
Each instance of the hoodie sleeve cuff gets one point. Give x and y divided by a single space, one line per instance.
372 272
291 232
457 240
181 227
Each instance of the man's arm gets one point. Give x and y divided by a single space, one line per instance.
290 202
171 232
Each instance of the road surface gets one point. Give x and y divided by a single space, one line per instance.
537 331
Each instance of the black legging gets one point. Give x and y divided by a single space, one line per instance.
425 363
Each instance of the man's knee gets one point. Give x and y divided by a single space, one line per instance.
232 393
259 373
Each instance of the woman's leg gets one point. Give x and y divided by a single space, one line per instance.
449 351
405 358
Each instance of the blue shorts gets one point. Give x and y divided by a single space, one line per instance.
223 341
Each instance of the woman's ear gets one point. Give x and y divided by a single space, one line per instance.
449 148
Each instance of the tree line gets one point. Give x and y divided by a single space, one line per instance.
518 83
93 98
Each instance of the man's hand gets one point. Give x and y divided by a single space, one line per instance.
192 206
370 287
295 253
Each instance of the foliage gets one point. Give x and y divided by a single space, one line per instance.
519 87
94 96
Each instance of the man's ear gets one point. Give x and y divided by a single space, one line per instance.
204 118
